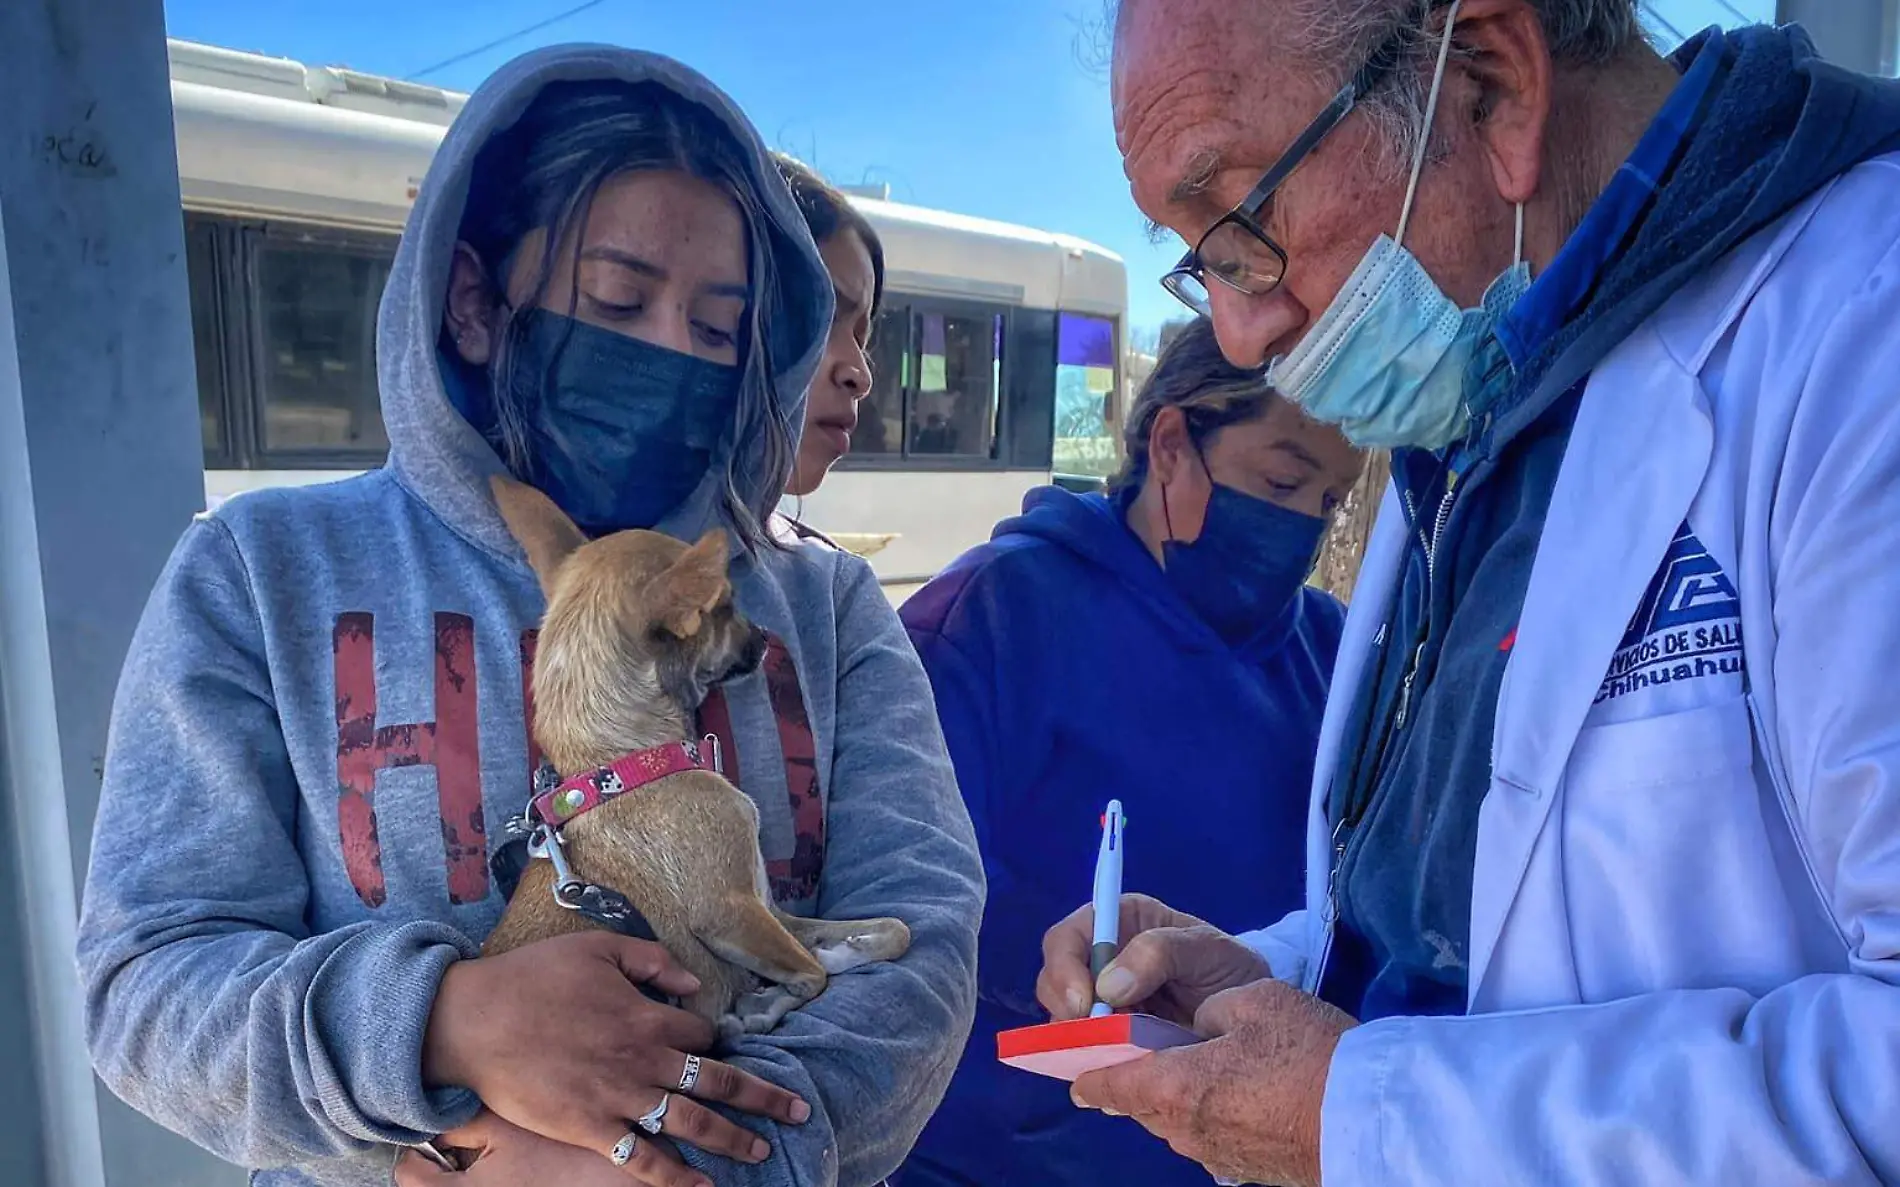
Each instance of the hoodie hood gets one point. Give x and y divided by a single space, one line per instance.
1095 529
1778 123
1091 526
433 451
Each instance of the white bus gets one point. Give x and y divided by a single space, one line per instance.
998 352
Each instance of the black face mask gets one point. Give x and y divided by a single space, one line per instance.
620 431
1251 558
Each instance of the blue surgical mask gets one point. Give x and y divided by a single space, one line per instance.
1386 362
620 431
1249 561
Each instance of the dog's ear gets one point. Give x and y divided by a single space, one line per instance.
692 586
543 530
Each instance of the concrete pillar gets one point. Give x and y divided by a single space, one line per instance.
100 470
1861 35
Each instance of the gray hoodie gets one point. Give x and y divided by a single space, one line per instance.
322 722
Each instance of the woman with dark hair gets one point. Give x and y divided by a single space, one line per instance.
1156 645
605 290
854 256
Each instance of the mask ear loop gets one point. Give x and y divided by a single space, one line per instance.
1167 517
1431 113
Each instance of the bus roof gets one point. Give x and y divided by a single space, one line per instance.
268 137
330 86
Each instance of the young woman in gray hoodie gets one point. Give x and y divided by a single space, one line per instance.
606 290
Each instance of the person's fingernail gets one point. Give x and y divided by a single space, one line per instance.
760 1151
1112 1113
1078 1002
1116 984
1075 1098
801 1112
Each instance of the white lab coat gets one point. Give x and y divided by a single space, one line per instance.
1685 928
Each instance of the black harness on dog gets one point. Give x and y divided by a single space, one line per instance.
526 839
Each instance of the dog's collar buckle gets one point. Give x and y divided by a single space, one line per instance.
583 793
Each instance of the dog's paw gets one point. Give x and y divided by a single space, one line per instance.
731 1029
877 939
759 1011
805 988
844 955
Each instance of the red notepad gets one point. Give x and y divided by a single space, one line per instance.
1065 1050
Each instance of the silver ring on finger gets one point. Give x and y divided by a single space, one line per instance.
625 1149
654 1119
689 1078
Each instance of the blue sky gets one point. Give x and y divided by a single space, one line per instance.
986 107
1673 20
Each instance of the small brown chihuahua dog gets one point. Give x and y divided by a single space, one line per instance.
638 629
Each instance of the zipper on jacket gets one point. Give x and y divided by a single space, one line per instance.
1315 974
1424 541
1441 519
1346 828
1344 831
1340 836
1430 543
1405 687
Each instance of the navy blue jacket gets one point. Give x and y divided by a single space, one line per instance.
1067 672
1757 124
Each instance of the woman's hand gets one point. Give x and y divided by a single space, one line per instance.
556 1038
497 1154
1170 963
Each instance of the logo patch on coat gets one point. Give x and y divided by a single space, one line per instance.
1688 626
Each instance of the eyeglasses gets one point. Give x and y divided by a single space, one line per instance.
1236 251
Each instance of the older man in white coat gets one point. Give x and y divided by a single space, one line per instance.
1604 850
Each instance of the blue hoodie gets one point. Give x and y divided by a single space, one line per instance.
321 725
1756 125
1068 673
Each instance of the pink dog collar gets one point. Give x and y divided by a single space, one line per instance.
583 793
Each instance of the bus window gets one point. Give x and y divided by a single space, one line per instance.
1029 390
207 339
1085 380
881 416
317 364
954 405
